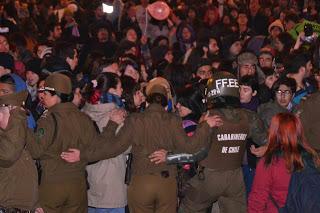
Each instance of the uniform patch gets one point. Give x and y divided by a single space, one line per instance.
40 134
44 114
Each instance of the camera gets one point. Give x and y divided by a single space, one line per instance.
308 33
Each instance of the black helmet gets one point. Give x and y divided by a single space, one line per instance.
222 84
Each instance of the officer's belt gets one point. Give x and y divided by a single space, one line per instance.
14 210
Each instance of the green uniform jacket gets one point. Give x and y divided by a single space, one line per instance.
147 132
229 140
18 174
72 129
310 117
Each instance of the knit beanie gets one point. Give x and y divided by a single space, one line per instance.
276 23
6 61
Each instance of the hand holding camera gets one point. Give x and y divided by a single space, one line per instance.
308 35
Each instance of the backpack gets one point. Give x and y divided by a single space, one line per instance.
303 194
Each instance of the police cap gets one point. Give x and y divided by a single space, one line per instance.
14 99
58 82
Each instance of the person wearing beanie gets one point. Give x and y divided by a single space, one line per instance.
33 75
274 29
247 64
19 185
146 132
7 67
6 63
232 47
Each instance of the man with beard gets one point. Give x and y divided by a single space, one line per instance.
207 48
100 43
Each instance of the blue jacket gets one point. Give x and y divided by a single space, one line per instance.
21 85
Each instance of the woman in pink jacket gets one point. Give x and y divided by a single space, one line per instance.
283 156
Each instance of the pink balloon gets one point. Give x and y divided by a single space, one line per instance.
159 10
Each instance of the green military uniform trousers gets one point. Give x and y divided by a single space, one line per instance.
69 196
152 194
226 187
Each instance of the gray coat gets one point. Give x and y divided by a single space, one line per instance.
106 177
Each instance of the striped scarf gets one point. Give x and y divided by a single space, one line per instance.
111 98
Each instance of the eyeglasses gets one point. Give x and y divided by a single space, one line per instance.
283 92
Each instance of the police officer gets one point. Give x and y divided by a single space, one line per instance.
18 174
62 126
152 187
222 179
220 176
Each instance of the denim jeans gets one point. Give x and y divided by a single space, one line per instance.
248 174
106 210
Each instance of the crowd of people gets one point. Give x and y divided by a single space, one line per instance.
114 106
